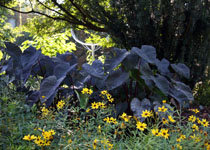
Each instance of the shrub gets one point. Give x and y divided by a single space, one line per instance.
128 75
202 93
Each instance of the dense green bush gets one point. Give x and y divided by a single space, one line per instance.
202 93
137 73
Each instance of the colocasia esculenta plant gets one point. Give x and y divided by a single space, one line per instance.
137 78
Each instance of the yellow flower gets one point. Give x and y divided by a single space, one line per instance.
146 114
178 139
52 132
193 136
45 111
163 101
33 137
122 125
155 132
111 100
208 147
195 127
165 121
113 120
171 119
192 118
199 121
85 90
164 133
195 110
205 123
70 141
94 105
178 146
90 91
162 109
182 136
101 104
125 117
99 128
197 139
94 144
27 137
108 95
104 92
43 97
60 104
141 126
88 110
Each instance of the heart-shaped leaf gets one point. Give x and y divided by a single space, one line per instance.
163 66
116 78
182 70
13 50
148 53
95 70
162 83
48 87
33 98
181 92
116 57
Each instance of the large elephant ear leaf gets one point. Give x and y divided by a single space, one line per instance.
49 101
146 104
181 69
162 83
137 108
67 57
121 107
48 87
95 70
148 53
116 79
13 50
30 56
131 61
33 98
62 69
163 66
181 92
116 57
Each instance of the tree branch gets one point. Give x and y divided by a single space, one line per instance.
50 8
64 18
83 13
36 12
67 12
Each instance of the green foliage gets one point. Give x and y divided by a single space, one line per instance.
178 29
50 46
46 38
202 93
94 128
6 31
136 73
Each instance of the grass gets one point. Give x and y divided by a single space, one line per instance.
71 128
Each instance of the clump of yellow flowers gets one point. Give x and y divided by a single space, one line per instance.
108 96
60 104
125 117
97 105
44 140
110 120
106 144
44 111
163 132
87 91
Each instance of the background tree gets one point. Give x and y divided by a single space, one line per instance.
179 29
